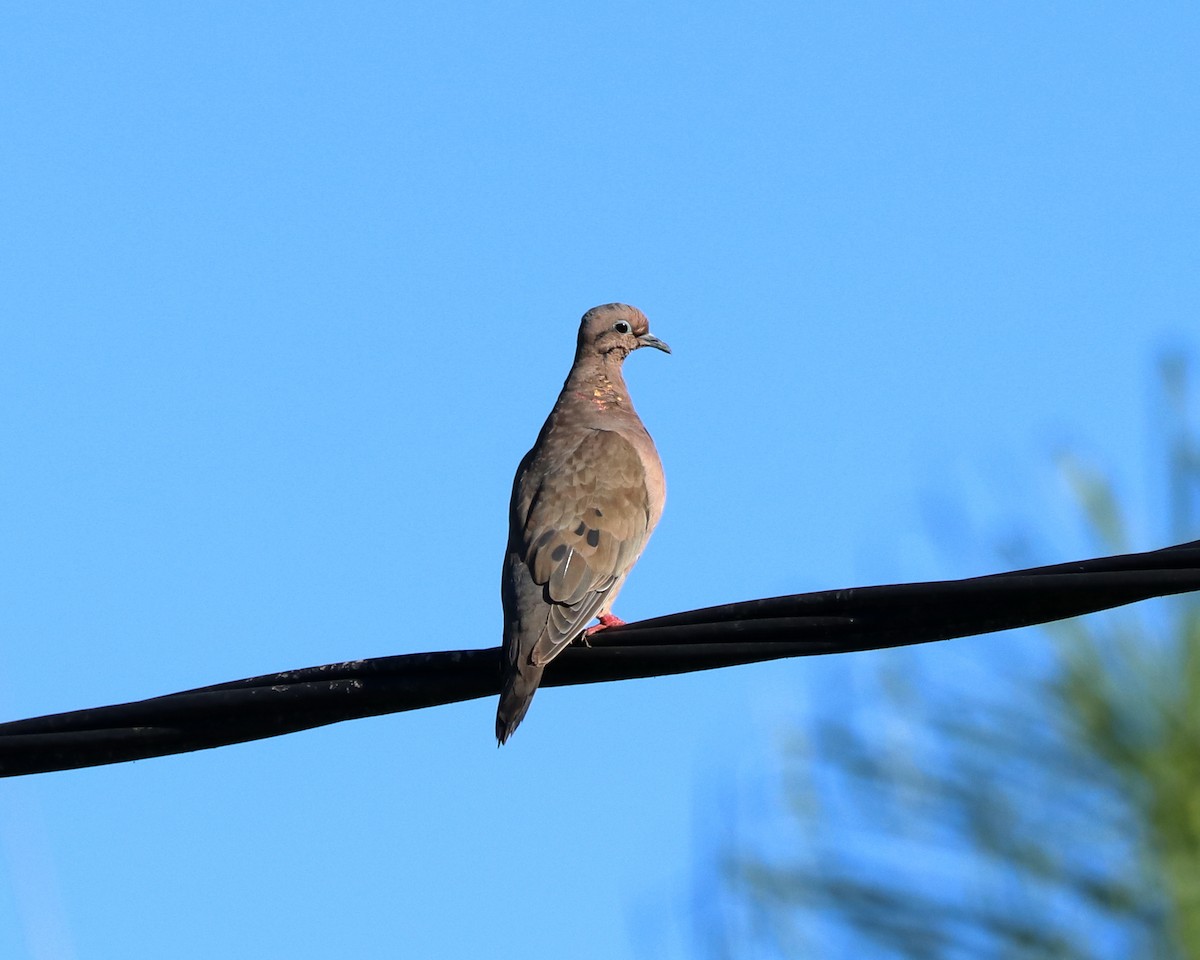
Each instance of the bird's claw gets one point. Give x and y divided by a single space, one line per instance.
606 620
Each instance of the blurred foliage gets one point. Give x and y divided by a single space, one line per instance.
1044 807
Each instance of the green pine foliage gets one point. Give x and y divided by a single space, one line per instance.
1043 807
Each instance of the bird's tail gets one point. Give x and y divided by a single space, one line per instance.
519 687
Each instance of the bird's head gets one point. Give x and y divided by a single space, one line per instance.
615 330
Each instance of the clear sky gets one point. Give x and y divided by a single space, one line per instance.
286 291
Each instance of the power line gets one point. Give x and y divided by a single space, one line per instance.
807 624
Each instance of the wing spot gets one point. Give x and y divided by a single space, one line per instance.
597 511
593 538
581 530
559 552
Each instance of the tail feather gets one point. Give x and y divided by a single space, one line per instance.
519 687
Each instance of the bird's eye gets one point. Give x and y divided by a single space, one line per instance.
621 326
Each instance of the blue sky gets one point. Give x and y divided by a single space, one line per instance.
288 291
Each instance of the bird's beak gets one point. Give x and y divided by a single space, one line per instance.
645 340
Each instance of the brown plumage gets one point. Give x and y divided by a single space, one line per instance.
584 502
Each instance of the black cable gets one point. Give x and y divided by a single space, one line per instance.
808 624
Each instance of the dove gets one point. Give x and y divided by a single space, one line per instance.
584 501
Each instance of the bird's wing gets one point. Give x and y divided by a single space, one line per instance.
582 526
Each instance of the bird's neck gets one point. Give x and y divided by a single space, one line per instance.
599 383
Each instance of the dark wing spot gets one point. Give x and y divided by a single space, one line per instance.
597 511
579 530
559 552
593 538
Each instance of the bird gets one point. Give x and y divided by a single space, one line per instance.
585 500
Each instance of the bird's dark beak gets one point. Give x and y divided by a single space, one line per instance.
645 340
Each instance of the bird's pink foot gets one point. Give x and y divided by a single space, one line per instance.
606 620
